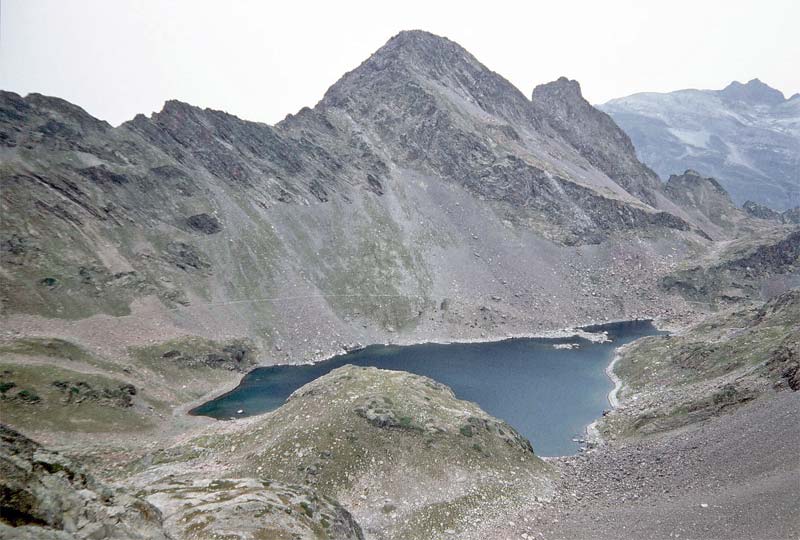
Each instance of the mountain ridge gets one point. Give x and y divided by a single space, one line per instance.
412 179
745 135
754 91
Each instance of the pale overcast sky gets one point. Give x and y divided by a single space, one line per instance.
263 60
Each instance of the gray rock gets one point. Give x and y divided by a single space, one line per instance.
45 495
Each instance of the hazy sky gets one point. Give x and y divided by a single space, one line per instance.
263 60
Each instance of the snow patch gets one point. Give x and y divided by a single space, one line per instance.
698 139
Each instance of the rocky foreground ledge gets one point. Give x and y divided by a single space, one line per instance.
399 451
44 495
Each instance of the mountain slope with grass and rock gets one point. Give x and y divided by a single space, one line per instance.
147 267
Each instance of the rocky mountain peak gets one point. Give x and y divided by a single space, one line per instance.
424 51
754 91
175 110
409 55
419 42
562 99
562 88
416 61
595 135
174 114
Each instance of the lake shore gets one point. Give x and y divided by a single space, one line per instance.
536 376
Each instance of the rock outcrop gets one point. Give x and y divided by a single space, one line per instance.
759 211
706 201
249 509
45 495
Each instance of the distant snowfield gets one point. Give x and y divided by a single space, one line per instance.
698 139
747 136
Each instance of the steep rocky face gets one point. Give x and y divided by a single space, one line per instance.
706 201
429 103
747 136
596 136
45 495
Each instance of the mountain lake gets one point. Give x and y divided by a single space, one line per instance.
549 389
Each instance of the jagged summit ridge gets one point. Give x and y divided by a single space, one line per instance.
754 91
428 96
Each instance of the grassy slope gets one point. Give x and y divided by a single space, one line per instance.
33 403
398 450
726 360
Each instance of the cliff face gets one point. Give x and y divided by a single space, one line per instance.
428 103
596 136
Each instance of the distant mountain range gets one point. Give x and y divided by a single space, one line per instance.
747 136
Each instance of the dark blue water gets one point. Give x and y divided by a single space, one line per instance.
549 395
